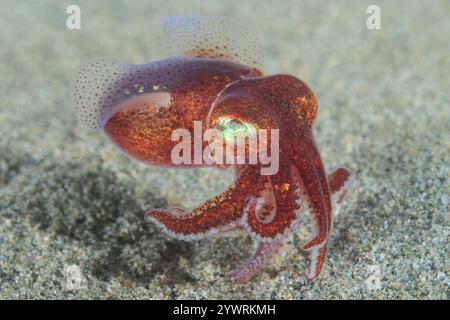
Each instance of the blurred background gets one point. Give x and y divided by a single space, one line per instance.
72 206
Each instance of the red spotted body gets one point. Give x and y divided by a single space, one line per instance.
216 75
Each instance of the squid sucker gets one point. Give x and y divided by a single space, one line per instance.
213 81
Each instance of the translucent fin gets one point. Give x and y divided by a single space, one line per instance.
100 87
212 37
94 91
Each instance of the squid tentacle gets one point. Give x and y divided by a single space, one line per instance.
318 197
339 182
214 216
261 257
274 210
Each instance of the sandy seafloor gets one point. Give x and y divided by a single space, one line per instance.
72 205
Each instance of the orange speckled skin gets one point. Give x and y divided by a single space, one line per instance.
207 90
144 131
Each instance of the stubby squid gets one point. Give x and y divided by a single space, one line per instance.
215 76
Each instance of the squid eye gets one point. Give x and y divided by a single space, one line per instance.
232 127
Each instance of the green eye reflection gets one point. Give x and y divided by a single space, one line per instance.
232 127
